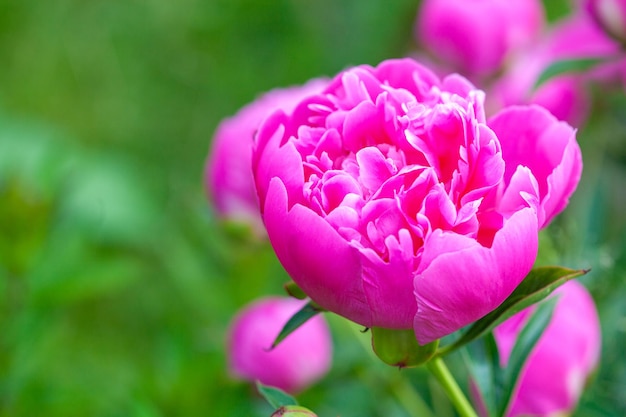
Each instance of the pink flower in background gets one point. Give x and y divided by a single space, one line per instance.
228 177
610 15
566 95
392 201
568 351
475 37
296 363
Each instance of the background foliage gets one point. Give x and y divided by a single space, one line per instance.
116 282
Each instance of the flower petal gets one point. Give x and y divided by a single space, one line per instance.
388 285
554 377
316 257
530 136
459 281
270 148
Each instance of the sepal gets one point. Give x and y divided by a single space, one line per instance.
399 347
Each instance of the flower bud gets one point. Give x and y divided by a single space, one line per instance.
475 37
566 95
610 15
293 411
228 173
297 362
559 365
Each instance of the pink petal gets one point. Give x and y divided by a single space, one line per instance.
459 281
486 161
362 126
457 32
316 257
269 148
532 137
374 169
389 285
522 191
409 75
554 376
228 174
296 363
335 187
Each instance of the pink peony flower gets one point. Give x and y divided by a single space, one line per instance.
475 37
566 95
296 363
392 201
568 351
228 177
610 15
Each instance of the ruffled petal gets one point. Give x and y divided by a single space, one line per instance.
530 136
270 148
389 285
316 257
459 280
409 75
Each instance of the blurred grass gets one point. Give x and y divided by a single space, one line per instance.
116 283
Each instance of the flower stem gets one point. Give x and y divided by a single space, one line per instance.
439 369
410 399
400 386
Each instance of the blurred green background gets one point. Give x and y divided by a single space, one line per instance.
117 283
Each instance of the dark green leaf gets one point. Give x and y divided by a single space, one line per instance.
566 66
276 397
297 320
537 285
483 361
526 341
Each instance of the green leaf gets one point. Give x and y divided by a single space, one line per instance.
566 66
276 397
483 361
537 285
397 347
526 341
297 320
293 411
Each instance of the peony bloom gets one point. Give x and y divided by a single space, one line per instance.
296 363
568 351
392 201
610 15
228 178
475 37
565 95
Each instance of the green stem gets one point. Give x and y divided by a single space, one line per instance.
400 386
412 402
438 368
